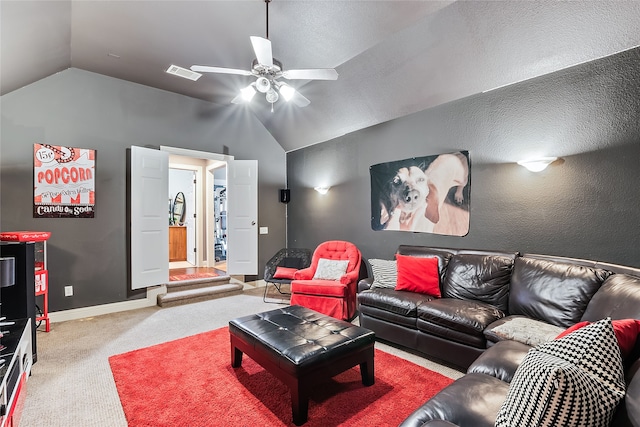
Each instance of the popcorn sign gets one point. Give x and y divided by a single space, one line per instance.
63 182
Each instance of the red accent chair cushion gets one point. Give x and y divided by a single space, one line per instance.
336 298
284 273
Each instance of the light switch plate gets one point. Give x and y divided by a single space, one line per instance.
264 230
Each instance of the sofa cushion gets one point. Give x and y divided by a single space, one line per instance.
460 320
553 292
501 360
385 273
522 329
389 319
416 274
472 400
479 278
577 380
399 302
618 298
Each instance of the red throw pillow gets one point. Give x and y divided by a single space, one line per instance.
417 274
284 273
572 328
626 330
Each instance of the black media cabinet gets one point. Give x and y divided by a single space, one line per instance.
16 355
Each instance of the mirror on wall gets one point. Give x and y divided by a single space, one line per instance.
178 210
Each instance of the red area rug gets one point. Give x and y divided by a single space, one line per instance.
190 382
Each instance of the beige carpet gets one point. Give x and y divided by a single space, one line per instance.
71 384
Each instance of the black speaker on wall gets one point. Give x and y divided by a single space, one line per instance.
285 195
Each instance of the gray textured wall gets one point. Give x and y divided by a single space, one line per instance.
82 109
585 205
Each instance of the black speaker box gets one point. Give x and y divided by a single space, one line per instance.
285 195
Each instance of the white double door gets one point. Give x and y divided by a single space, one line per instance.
149 227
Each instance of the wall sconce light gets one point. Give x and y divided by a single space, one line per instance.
321 190
537 165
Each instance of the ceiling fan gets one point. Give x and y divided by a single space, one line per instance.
267 71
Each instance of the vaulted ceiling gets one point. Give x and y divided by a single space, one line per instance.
394 58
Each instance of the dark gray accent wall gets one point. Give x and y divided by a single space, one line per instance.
81 109
585 205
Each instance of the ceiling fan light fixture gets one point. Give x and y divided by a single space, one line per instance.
248 93
263 84
287 91
272 96
267 70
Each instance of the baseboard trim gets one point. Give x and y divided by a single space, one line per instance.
116 307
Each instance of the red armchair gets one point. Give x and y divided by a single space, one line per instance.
336 296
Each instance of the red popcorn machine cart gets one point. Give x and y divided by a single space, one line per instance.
39 238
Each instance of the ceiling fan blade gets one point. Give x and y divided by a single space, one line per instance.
315 74
300 100
262 48
221 70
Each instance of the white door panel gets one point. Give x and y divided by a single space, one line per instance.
149 222
242 217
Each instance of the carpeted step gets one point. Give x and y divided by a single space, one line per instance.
183 285
178 295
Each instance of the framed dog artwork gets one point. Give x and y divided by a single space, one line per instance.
423 194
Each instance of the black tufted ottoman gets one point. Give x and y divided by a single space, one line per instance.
301 347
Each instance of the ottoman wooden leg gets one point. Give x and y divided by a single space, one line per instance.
299 404
366 371
236 356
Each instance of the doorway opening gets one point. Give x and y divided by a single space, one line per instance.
148 231
199 187
182 215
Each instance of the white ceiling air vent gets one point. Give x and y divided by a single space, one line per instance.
183 72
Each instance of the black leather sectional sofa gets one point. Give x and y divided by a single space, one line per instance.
483 292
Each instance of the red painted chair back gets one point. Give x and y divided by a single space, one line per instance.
337 250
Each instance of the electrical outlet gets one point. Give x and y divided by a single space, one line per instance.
68 291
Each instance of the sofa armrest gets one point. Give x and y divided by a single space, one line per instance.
500 360
629 412
472 400
365 284
438 423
